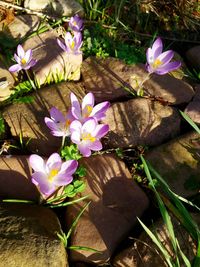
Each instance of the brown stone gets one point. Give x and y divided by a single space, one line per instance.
28 118
193 57
193 108
15 179
52 61
21 26
116 202
165 87
109 78
6 82
141 122
105 78
178 163
28 237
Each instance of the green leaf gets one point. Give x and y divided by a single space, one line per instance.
81 171
79 186
71 152
2 125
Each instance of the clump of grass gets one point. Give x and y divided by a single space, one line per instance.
175 204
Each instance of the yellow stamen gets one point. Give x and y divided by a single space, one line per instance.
23 61
67 123
72 45
157 63
88 137
74 23
88 110
52 174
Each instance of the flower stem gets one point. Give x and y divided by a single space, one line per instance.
63 142
32 83
145 79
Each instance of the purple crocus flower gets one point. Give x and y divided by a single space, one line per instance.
72 43
76 23
24 60
52 174
87 136
158 62
87 108
58 123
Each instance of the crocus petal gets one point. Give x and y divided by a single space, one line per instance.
55 157
17 59
89 126
75 137
37 163
59 133
157 47
96 145
62 46
166 56
101 130
50 124
68 38
62 179
148 68
84 150
69 167
78 40
32 63
168 67
76 23
54 166
15 68
88 100
41 180
149 56
75 126
28 55
20 51
75 109
100 108
56 115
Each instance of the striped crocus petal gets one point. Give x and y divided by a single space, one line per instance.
171 66
76 23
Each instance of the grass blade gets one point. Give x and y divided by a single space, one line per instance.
190 121
76 220
157 243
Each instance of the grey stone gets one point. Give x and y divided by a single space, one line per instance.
178 163
116 202
55 7
28 237
28 118
141 122
51 59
